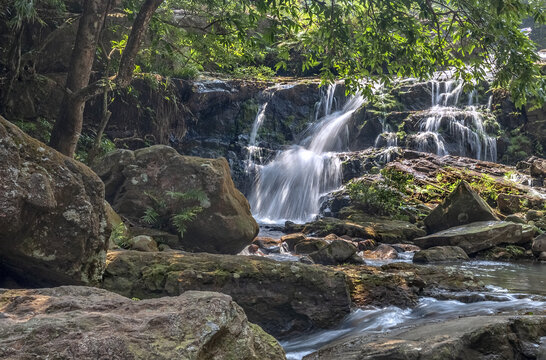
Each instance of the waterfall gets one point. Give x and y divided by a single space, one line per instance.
290 186
463 125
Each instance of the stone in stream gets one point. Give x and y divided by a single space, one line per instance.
477 236
73 322
309 245
382 252
461 207
335 253
282 297
53 222
137 181
476 337
366 227
292 240
440 253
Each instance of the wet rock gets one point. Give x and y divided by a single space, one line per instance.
476 337
476 236
282 297
382 252
309 245
269 245
405 247
146 177
72 322
53 221
542 256
142 243
440 253
506 253
462 206
291 227
364 245
335 253
292 240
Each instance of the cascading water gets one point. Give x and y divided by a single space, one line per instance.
463 125
290 187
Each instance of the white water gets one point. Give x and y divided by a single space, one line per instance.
515 288
463 125
290 187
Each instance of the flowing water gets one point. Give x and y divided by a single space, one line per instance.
515 288
464 126
290 186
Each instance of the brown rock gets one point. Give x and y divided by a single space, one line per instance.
382 252
72 322
292 239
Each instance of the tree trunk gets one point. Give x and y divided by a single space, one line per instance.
66 131
67 128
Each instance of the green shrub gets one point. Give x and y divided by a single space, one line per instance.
375 198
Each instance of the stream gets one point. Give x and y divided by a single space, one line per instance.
512 288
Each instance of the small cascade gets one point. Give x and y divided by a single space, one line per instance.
290 187
387 139
254 152
463 126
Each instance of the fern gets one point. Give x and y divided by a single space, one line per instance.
194 194
182 219
151 216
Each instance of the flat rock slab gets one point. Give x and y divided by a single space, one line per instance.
281 297
73 322
476 236
477 337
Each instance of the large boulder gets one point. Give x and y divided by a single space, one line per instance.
53 227
476 236
461 207
440 253
476 337
139 180
72 322
281 297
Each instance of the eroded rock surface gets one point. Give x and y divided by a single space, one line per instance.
477 337
281 297
72 322
53 227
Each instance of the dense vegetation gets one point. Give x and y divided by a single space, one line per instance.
351 40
